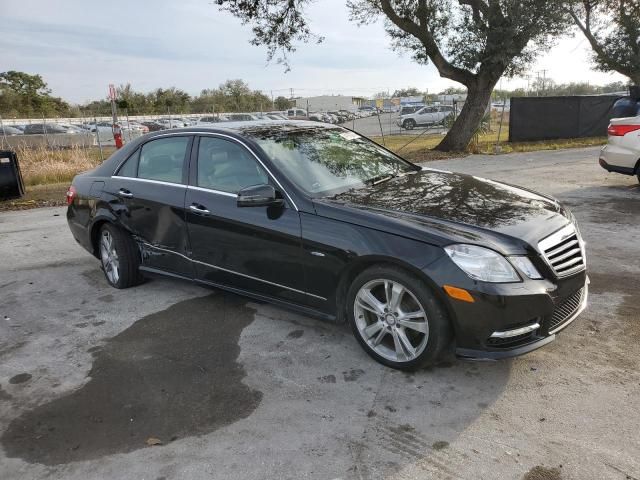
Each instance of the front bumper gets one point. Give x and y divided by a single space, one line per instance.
497 323
532 338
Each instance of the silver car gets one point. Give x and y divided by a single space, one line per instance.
425 116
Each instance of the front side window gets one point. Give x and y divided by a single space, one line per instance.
163 159
226 166
324 161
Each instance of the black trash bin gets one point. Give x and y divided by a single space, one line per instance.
11 185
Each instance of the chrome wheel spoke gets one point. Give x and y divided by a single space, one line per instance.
379 338
372 329
406 343
397 344
394 292
367 301
417 326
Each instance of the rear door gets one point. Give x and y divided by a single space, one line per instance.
148 194
256 249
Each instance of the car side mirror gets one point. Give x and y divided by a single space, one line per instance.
259 196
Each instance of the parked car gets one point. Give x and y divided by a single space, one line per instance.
8 130
368 111
414 258
171 122
153 126
409 109
45 128
276 116
240 117
621 154
296 113
425 116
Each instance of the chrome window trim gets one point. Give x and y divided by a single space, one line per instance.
234 272
216 134
211 190
148 180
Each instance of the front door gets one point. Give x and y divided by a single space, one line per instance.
256 249
149 192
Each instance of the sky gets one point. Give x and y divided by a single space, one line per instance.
80 47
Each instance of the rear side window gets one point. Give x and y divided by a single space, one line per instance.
227 166
130 167
163 159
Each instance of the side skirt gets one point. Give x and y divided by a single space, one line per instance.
245 293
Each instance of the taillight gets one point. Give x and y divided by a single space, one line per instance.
71 194
621 130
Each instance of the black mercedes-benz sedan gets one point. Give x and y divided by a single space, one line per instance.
318 218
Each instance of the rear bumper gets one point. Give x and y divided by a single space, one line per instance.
614 158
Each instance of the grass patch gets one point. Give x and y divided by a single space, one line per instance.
420 149
52 195
43 166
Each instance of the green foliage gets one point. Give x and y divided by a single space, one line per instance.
282 103
612 28
27 96
22 94
407 92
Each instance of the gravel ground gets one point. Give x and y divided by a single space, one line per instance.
170 380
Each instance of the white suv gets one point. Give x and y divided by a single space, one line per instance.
425 116
622 153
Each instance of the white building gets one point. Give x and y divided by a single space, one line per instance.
329 103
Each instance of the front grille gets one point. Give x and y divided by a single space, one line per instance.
565 310
563 251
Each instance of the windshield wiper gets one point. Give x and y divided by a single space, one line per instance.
379 179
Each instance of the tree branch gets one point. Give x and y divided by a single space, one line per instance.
422 33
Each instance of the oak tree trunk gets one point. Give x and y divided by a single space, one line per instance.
467 123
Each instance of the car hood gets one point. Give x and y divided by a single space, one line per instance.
458 207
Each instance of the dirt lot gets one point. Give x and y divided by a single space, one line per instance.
231 389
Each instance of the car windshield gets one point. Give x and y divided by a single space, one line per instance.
326 161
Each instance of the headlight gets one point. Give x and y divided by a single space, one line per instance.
482 264
525 266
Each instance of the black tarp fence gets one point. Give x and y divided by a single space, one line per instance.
548 118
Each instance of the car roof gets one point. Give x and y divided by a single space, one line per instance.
262 124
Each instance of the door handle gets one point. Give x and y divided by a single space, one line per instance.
123 192
199 209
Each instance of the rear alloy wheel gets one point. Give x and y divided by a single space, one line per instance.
119 257
396 318
409 124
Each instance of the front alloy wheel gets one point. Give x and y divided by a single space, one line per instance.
397 318
391 320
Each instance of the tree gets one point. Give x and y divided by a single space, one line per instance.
472 42
407 92
282 103
22 94
612 28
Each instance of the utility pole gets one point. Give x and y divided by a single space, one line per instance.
273 103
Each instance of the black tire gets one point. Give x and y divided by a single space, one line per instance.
128 257
409 124
439 328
